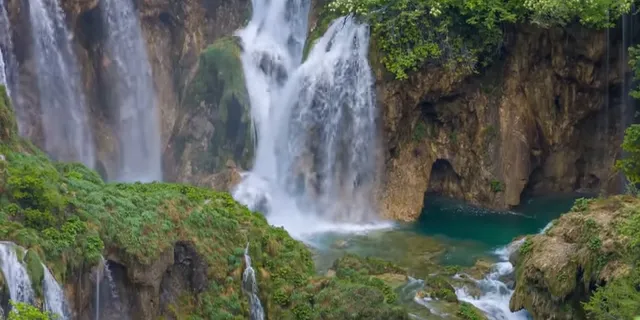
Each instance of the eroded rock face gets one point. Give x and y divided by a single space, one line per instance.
536 121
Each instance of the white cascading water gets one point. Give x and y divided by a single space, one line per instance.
54 300
61 97
7 58
132 94
250 288
494 301
315 167
15 274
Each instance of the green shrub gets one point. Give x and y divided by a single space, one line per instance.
24 311
497 186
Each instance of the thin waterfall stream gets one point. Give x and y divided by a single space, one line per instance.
54 300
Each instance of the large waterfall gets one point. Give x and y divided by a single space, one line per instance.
15 274
62 103
132 94
54 300
315 122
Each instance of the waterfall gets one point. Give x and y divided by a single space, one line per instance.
132 94
54 300
15 274
64 119
8 64
315 122
112 302
250 288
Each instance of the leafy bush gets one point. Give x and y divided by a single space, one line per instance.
459 34
24 311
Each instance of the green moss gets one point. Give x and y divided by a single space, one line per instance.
218 93
496 186
469 312
36 272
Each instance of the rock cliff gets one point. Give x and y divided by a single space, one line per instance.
543 118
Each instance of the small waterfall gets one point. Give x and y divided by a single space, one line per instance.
54 300
315 122
494 301
108 301
64 119
250 288
132 94
15 274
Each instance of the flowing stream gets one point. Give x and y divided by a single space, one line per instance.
132 94
64 119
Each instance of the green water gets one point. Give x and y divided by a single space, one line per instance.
472 232
448 232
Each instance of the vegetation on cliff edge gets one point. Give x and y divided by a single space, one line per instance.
68 217
459 34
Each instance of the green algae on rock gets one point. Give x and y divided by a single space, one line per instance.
214 124
588 255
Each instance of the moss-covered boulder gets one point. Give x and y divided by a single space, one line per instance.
586 253
213 131
182 241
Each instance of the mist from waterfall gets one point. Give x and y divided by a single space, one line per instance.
316 163
15 274
64 119
132 94
250 288
54 300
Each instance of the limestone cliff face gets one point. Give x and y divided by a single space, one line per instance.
175 32
543 118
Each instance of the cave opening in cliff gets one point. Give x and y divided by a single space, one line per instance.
443 179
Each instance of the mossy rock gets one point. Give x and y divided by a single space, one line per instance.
438 288
35 270
592 246
216 115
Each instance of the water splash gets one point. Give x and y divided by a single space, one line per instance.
58 77
496 294
54 300
250 288
315 166
15 274
132 94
